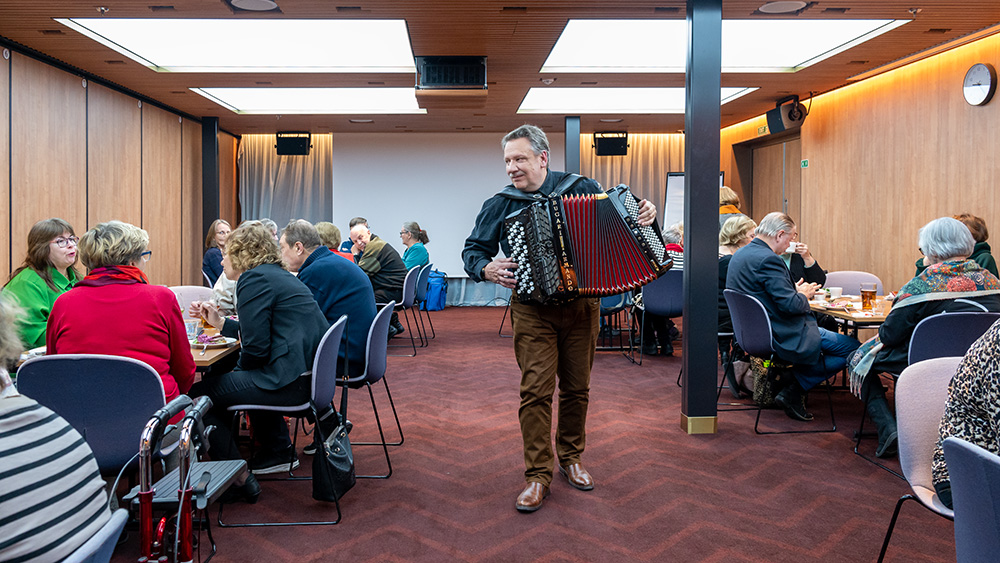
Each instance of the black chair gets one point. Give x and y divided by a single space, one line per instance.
324 387
664 297
752 330
407 306
375 364
613 307
975 476
420 298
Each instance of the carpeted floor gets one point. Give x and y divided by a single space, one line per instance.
660 494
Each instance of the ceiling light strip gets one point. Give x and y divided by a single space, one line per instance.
927 53
108 43
889 26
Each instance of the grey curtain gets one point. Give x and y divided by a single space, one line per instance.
286 187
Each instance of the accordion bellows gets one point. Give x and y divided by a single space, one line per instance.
583 245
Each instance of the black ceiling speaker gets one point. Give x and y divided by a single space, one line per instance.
293 143
451 73
786 115
611 143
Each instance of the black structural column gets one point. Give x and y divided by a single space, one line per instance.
701 217
572 144
209 172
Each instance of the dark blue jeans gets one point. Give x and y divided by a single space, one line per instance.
837 349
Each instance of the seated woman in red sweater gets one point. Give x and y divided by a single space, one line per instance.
115 310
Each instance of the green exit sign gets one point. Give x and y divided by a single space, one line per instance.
805 163
762 130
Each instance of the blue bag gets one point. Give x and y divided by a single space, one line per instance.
437 291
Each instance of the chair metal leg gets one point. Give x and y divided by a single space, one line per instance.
413 342
892 524
430 321
630 355
503 319
399 427
385 449
857 445
222 524
833 421
728 367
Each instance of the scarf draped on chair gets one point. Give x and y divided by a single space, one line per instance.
949 280
112 275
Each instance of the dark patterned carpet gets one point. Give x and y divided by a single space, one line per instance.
660 494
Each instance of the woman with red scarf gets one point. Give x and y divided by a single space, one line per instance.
115 310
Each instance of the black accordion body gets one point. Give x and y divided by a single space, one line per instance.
583 246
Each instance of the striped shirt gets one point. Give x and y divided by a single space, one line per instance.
52 497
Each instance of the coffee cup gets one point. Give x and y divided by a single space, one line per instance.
835 292
792 246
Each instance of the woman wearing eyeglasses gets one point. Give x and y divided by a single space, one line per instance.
47 273
414 238
115 310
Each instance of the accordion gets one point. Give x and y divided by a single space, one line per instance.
583 245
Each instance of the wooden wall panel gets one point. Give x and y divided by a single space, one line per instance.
5 265
191 227
767 170
887 155
229 192
891 153
162 180
114 157
48 149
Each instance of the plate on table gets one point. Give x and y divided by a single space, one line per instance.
213 342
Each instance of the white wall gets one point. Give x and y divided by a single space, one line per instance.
439 180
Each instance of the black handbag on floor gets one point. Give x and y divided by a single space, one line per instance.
333 463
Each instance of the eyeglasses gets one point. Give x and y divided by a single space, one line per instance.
146 255
401 233
64 242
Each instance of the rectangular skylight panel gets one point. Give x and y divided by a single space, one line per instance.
318 101
612 100
660 46
258 45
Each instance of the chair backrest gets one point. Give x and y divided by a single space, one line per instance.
410 287
423 277
975 490
324 370
851 280
921 393
208 280
107 399
100 547
948 334
188 293
378 341
612 304
664 296
751 325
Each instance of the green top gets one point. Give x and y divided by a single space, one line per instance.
36 298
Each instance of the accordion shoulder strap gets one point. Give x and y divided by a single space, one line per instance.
565 184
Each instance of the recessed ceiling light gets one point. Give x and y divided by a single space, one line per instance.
221 45
605 120
660 46
781 7
613 100
361 120
255 5
289 101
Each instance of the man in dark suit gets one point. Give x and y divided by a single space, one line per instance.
757 270
339 286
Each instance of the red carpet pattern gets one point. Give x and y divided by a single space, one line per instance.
660 494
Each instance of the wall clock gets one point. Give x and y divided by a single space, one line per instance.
980 84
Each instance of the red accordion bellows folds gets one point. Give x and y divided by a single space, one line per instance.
584 245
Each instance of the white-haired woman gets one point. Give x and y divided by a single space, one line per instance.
950 283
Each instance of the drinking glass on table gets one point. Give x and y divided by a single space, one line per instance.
868 296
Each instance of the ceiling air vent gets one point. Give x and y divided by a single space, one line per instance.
451 82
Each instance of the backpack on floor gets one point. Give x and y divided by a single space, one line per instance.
437 291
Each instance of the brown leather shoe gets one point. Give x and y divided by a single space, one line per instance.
531 497
577 476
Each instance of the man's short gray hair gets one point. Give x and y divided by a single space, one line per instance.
774 222
946 238
300 230
535 136
674 234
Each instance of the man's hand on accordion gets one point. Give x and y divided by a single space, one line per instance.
647 212
500 271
